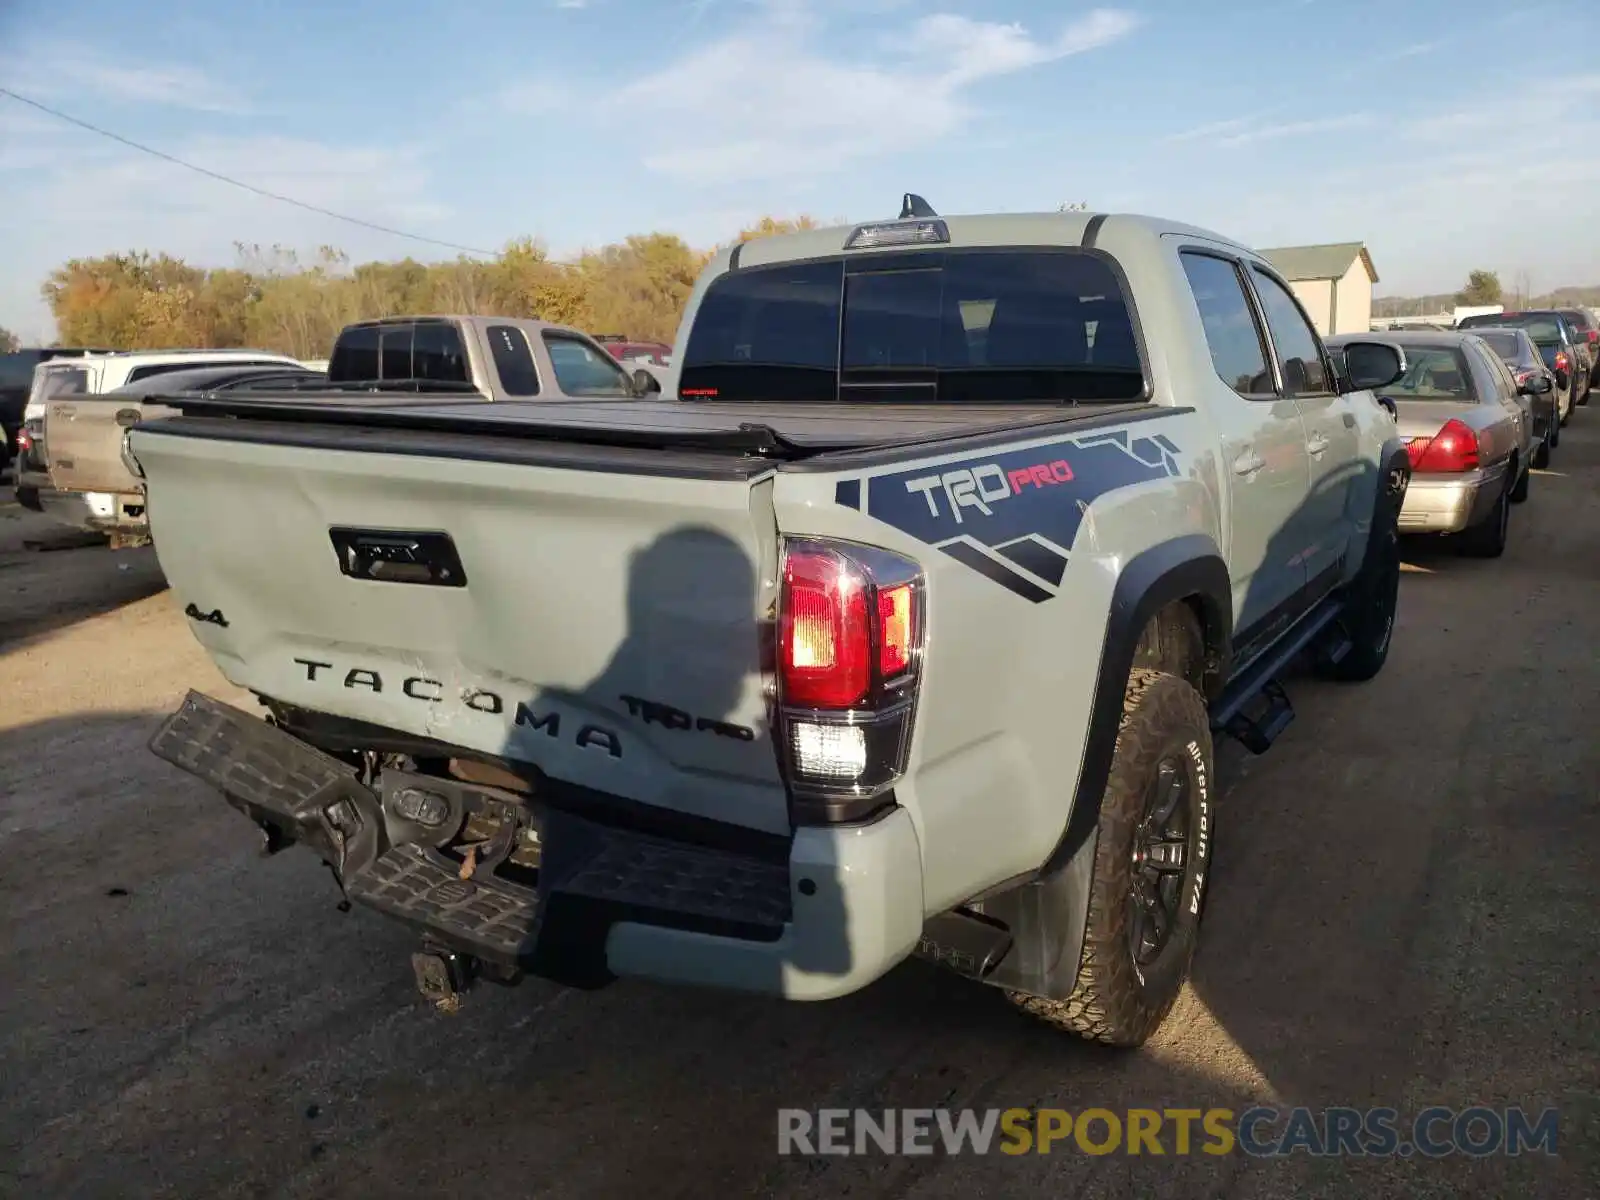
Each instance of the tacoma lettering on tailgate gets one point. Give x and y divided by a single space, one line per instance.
1012 516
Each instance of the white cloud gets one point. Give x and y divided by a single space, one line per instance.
57 71
572 3
768 101
1243 131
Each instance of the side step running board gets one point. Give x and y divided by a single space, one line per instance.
1254 709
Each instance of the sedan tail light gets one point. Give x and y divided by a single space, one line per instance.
1594 336
1450 451
1562 361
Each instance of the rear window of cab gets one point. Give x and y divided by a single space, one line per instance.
931 326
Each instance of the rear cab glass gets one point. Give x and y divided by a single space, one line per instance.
930 326
429 351
1433 373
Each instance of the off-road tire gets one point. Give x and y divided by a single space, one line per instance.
1113 1000
1487 539
1370 613
1520 492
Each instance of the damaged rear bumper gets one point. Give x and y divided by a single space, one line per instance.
557 893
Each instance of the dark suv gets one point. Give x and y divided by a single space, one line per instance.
16 379
1588 325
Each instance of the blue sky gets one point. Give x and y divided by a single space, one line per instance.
1446 135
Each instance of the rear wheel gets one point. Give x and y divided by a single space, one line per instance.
1519 493
1487 539
1370 613
1152 853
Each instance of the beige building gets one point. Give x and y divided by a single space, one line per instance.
1333 282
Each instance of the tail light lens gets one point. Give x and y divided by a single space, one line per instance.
1561 360
850 637
23 441
1450 451
1594 336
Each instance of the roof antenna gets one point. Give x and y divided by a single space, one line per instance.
915 206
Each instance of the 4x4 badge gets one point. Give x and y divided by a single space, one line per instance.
214 617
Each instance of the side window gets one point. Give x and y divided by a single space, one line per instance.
1232 334
582 370
513 361
1299 350
1501 378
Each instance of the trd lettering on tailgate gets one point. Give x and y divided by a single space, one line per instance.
432 691
653 712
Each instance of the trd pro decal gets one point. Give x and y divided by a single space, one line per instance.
997 513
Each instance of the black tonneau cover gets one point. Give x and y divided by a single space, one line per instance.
780 431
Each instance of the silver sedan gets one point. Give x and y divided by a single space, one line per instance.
1468 426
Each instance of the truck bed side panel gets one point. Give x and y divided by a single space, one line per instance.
1018 603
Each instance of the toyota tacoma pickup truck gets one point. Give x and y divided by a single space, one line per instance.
904 630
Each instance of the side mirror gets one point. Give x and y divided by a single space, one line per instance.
644 383
1536 385
1372 365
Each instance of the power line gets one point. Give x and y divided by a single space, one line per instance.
238 183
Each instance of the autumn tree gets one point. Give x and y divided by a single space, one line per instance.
1483 287
273 299
9 342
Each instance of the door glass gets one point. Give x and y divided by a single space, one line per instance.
1299 349
1232 335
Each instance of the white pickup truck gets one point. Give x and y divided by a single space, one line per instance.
904 631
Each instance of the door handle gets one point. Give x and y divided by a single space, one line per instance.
1317 444
1248 463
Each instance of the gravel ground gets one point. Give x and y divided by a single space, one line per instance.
1398 919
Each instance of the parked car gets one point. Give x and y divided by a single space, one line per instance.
1588 324
1564 349
627 350
1549 408
90 374
647 689
85 482
1468 433
16 382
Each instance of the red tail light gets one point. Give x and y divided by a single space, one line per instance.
1525 375
1594 336
849 646
1452 450
826 641
1561 360
23 440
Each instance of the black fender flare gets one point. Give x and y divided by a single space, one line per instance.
1190 565
1045 914
1389 495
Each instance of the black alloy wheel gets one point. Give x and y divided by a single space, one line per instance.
1160 858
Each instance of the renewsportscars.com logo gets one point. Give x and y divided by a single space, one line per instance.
1437 1132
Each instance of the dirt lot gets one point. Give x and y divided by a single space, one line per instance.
1404 915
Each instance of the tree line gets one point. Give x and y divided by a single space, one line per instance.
274 300
1484 287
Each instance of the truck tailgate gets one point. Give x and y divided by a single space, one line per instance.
604 626
83 442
